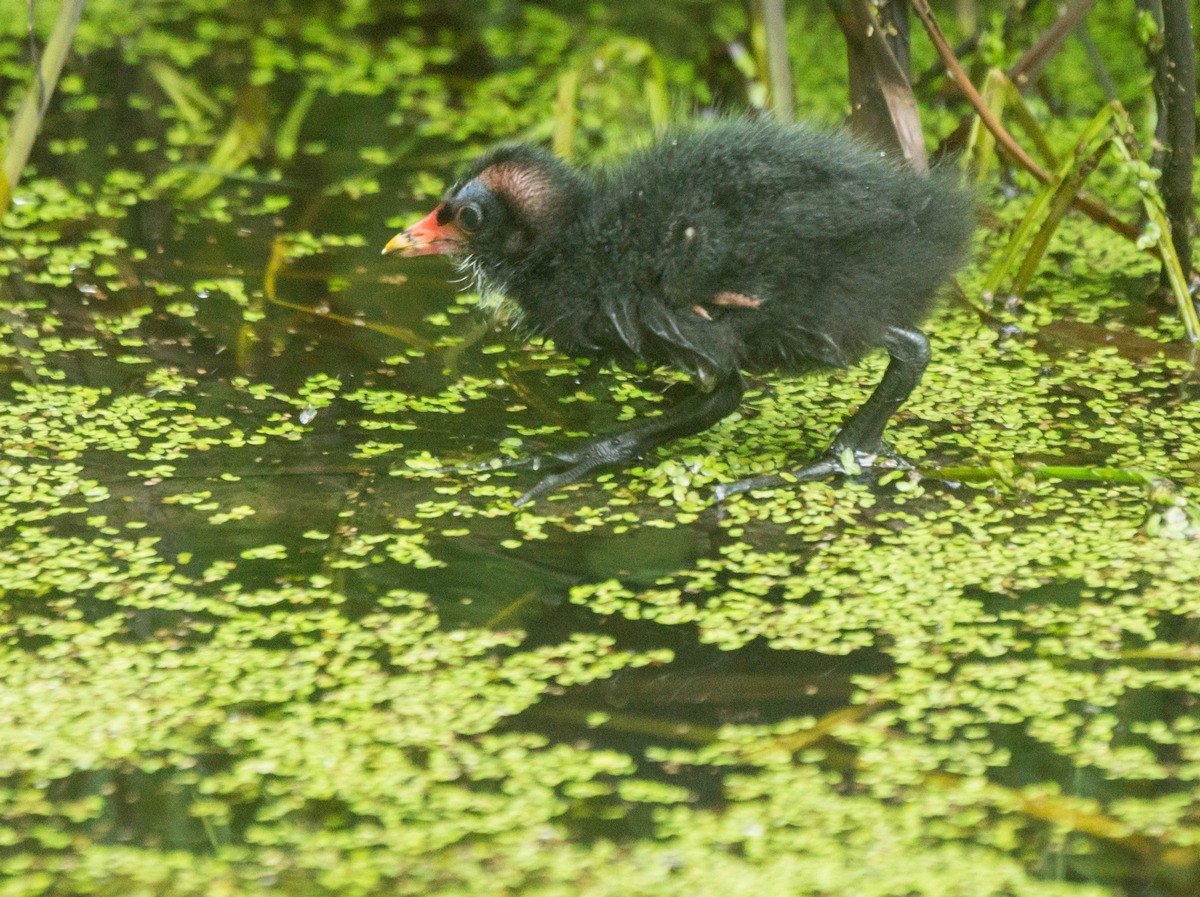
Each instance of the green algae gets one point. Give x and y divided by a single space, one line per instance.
269 622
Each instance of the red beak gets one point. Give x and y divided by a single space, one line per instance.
426 237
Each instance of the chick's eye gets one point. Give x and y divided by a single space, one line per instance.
469 217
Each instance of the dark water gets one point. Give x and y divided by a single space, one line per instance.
989 712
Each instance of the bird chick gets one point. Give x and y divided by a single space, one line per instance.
735 247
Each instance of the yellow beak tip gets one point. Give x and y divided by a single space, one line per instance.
397 243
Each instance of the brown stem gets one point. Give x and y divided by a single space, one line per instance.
1025 71
883 107
1175 78
1004 140
868 110
887 44
893 16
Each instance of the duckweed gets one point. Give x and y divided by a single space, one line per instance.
270 623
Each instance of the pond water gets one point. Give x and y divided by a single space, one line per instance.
255 638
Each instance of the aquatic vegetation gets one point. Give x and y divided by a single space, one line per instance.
269 623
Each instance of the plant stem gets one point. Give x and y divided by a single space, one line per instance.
1043 472
1004 139
28 120
882 105
1175 81
779 70
1027 69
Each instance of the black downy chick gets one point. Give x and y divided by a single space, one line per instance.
740 246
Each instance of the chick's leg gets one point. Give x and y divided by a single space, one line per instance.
696 413
862 433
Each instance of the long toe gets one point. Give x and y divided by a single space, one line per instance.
555 481
853 460
820 469
837 461
503 464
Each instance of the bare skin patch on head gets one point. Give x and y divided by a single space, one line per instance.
528 189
